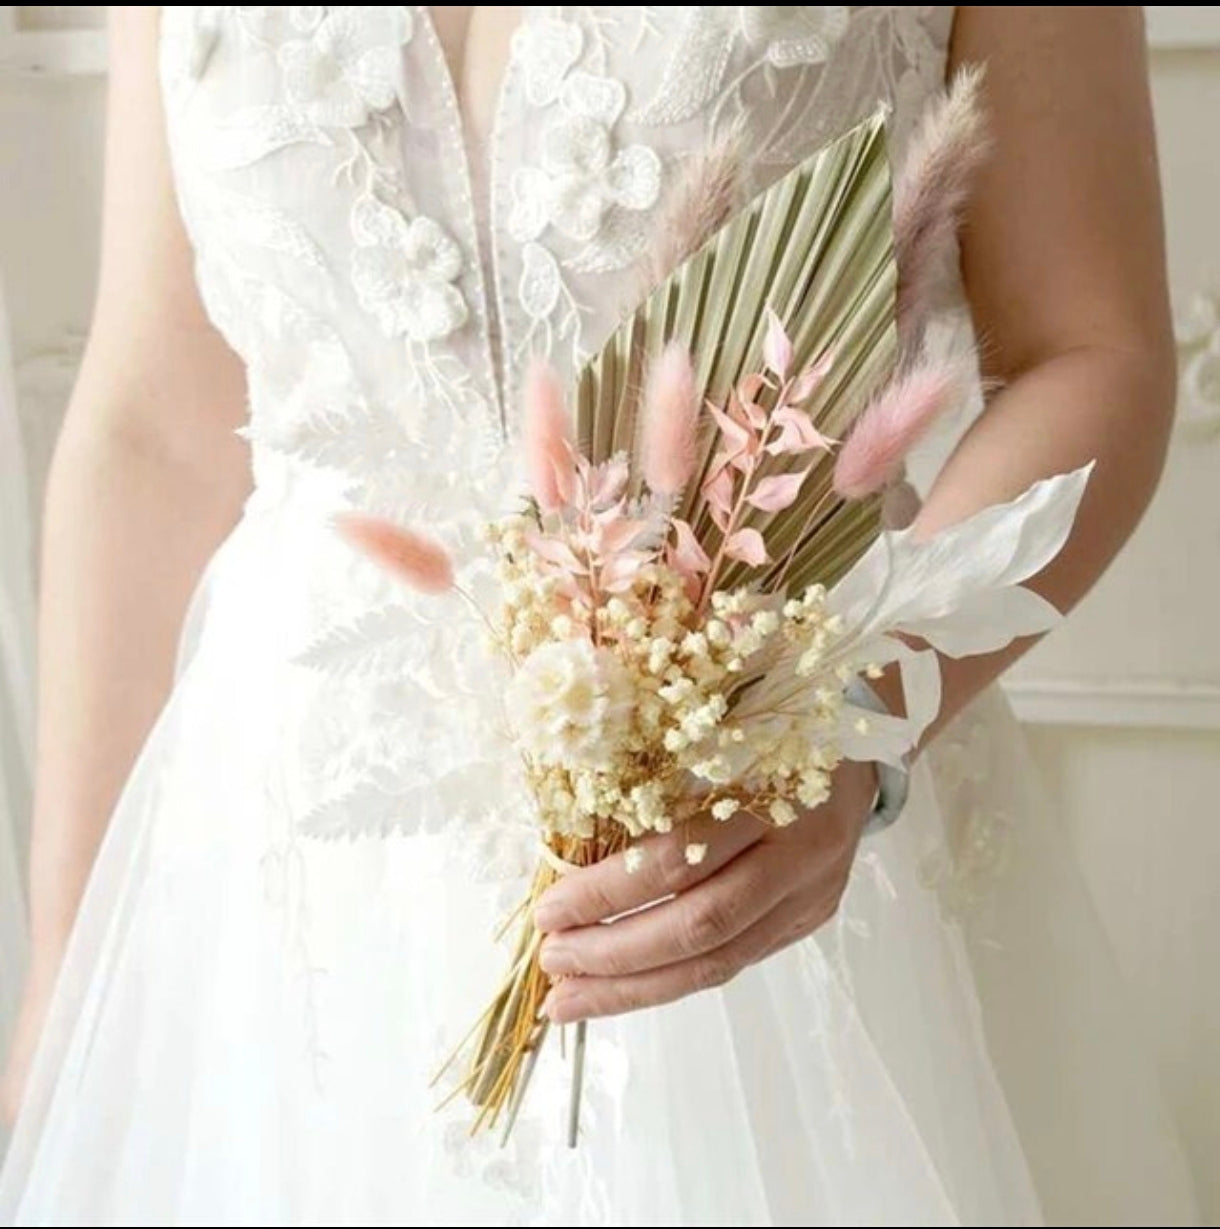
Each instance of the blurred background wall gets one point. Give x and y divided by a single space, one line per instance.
1122 705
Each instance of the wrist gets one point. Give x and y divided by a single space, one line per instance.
891 782
856 787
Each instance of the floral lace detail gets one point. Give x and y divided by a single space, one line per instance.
582 176
589 188
584 196
546 50
403 272
697 71
793 34
978 847
345 69
340 70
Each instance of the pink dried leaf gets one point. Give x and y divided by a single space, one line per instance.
420 561
752 413
747 546
570 588
670 418
547 431
797 433
890 427
718 492
620 572
558 554
778 492
777 346
749 386
687 555
616 535
810 380
737 436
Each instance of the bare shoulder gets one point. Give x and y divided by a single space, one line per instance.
150 330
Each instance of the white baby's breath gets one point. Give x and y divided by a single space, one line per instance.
570 703
695 853
782 812
629 710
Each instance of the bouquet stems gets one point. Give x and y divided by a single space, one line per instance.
505 1044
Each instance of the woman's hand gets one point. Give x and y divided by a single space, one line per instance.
758 889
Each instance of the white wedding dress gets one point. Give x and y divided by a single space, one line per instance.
291 918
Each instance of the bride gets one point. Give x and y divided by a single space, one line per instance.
333 237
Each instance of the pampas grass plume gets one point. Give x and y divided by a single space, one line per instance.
890 427
667 433
548 439
423 563
700 200
931 190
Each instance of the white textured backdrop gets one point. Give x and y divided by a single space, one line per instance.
1123 704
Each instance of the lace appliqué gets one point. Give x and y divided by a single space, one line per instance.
404 271
793 34
340 71
978 843
343 69
590 190
583 176
762 40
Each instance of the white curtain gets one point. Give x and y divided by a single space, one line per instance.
16 684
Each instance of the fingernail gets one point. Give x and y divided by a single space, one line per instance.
548 916
556 959
561 1009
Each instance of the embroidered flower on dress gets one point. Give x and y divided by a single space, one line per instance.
403 272
347 67
978 844
787 35
545 49
582 177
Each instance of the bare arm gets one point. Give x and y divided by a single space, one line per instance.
146 480
1065 272
1064 262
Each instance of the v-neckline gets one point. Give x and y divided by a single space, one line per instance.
487 126
478 174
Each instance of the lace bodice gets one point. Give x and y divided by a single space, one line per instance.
328 192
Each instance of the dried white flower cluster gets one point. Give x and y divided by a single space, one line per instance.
628 709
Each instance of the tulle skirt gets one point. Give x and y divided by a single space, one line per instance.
248 1019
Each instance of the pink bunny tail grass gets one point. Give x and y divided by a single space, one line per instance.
669 423
424 564
700 200
548 439
891 426
931 191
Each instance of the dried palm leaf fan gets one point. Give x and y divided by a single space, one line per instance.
817 247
